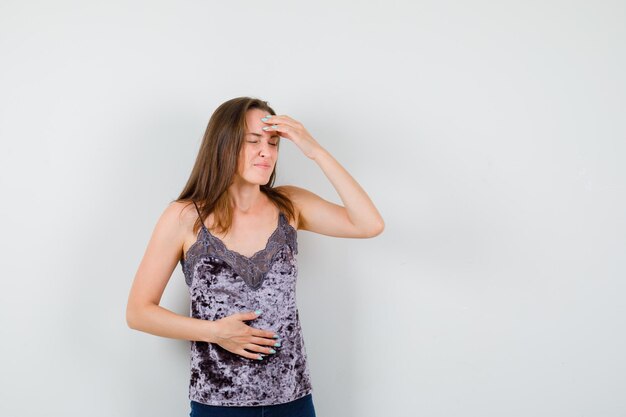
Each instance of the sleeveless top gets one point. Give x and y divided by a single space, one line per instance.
223 282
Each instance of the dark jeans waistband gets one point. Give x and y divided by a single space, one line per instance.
302 407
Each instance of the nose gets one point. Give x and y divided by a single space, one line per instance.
265 149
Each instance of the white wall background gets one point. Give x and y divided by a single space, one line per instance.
491 136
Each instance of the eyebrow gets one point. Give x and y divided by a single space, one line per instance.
260 135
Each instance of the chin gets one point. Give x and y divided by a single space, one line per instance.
262 181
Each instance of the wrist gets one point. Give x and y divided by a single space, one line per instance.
207 331
319 154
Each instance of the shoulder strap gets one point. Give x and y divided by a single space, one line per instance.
199 215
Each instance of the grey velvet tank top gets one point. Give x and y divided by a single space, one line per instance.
223 282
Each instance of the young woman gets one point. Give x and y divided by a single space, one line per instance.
235 237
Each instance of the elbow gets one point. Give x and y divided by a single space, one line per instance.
378 229
129 320
131 317
136 315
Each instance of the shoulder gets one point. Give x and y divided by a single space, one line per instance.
301 199
293 192
290 191
182 210
178 216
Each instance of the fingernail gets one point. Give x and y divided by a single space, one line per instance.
272 351
277 344
257 312
276 336
265 127
266 118
260 358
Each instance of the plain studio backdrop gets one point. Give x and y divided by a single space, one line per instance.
490 135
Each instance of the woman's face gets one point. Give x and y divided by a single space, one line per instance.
259 151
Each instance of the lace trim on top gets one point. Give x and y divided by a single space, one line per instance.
251 269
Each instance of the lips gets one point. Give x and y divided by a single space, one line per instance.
262 165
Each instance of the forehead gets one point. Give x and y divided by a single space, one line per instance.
253 118
254 124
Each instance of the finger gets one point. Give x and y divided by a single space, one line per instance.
250 315
291 122
279 120
264 342
250 355
260 349
283 128
265 334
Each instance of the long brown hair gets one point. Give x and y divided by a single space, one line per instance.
216 165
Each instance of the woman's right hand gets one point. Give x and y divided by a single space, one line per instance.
235 336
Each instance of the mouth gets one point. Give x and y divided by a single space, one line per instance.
263 166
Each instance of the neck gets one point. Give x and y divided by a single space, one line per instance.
246 198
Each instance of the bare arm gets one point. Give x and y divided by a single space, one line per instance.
358 218
144 313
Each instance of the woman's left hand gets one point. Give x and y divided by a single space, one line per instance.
294 131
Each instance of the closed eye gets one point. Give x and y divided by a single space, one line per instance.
256 141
